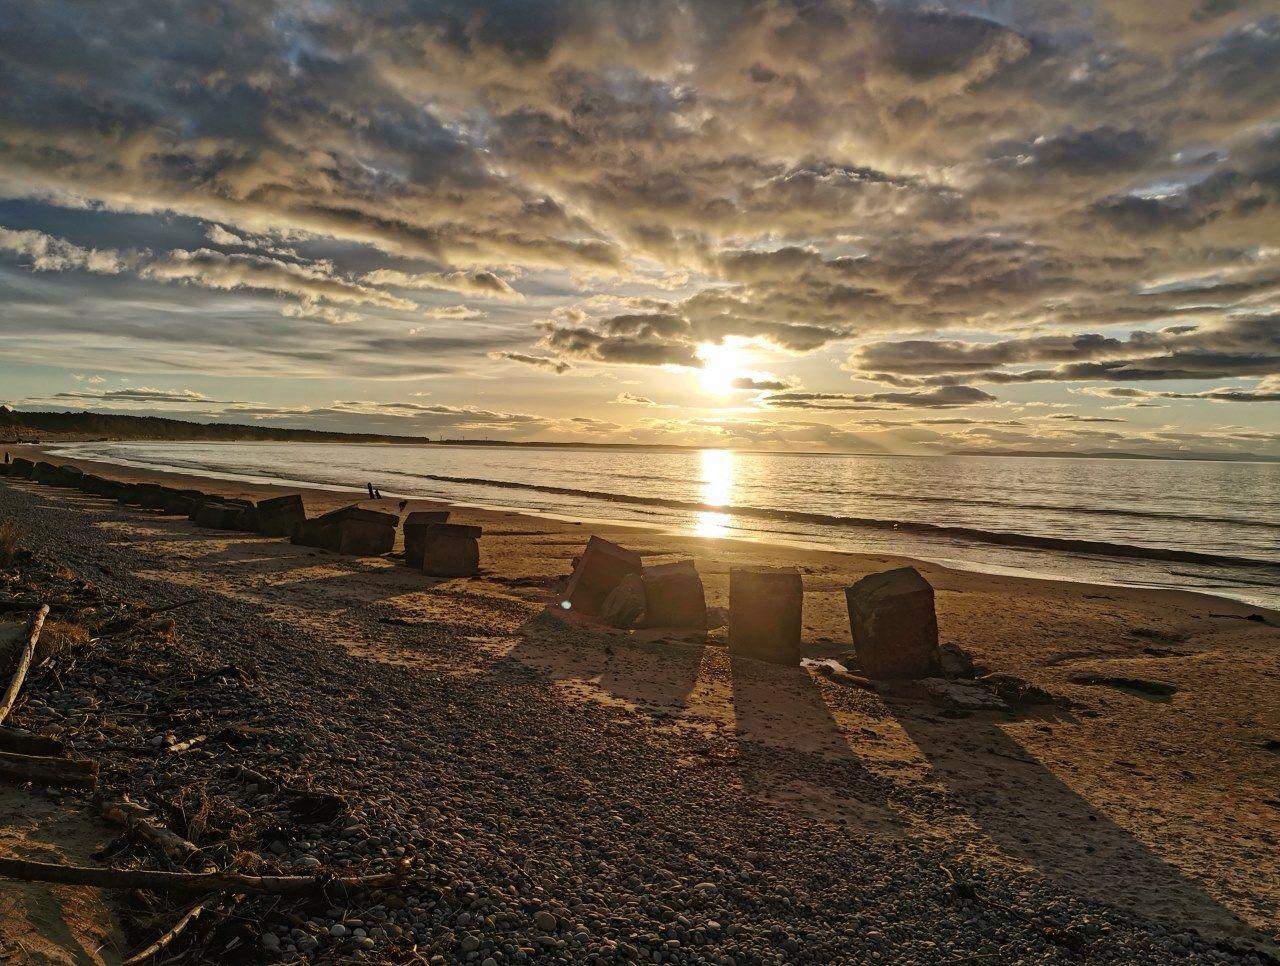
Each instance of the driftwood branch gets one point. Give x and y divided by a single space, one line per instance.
64 772
24 662
195 882
174 932
25 743
138 821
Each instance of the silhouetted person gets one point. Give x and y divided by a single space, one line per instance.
370 486
6 456
377 494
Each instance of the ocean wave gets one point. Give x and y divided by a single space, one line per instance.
996 537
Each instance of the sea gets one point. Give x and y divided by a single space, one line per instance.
1196 525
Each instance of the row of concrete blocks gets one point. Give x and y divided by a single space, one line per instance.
432 545
891 614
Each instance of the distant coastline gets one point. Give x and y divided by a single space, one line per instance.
35 426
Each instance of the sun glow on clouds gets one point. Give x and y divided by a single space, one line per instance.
722 363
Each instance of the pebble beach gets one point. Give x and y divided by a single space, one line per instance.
561 792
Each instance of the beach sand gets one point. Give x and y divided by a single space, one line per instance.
1165 806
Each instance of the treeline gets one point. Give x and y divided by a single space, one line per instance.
27 425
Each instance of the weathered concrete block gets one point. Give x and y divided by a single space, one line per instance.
415 530
280 516
894 625
309 534
674 596
451 550
360 538
21 468
764 613
155 498
181 502
217 516
359 513
600 569
624 605
128 493
45 473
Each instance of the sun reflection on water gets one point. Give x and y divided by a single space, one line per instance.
717 485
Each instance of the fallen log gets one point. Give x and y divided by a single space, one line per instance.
138 821
191 882
24 663
25 743
40 769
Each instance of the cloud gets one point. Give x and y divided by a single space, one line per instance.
557 366
945 397
480 283
212 269
49 254
631 399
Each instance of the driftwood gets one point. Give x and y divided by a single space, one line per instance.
25 743
193 882
64 772
174 932
138 821
24 662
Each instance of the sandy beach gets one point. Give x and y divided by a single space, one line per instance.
817 817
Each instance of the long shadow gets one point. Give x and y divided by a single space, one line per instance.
1035 817
657 674
790 748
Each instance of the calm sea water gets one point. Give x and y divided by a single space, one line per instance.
1196 525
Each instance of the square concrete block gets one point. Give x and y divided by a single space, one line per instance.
217 516
415 529
674 596
600 569
359 513
21 468
894 625
360 538
764 613
280 516
451 550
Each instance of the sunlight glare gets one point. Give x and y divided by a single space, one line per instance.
717 486
721 364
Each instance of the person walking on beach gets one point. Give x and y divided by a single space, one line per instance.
370 486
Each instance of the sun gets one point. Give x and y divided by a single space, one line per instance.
722 363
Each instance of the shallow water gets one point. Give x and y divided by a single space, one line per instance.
1161 523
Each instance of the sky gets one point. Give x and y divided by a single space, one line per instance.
798 224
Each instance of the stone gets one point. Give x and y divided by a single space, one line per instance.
624 606
45 473
217 516
280 516
21 468
600 569
674 596
764 613
415 529
963 695
956 661
894 626
309 534
451 550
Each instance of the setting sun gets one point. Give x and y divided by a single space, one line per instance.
721 364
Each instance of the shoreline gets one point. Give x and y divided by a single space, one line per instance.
323 495
1160 806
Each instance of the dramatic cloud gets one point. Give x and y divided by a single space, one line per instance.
956 196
